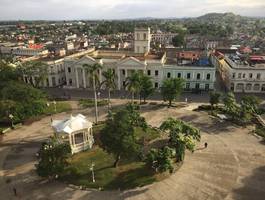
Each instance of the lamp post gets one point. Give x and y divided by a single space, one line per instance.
92 172
55 109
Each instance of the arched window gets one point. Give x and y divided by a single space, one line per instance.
249 86
168 74
256 87
240 86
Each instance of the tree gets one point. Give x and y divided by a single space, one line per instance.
34 70
118 136
53 157
171 89
179 40
146 87
214 99
133 83
230 105
109 82
250 104
181 136
93 72
160 159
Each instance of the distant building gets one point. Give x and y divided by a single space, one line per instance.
163 38
238 75
142 40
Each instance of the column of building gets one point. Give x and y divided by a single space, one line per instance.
76 78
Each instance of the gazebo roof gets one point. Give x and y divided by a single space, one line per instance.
72 124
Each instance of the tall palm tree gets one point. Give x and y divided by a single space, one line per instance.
109 82
133 83
93 74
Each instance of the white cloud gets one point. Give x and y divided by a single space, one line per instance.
91 9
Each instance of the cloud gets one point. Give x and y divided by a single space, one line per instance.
110 9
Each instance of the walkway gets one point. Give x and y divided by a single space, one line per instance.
232 167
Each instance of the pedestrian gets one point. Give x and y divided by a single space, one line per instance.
15 191
205 145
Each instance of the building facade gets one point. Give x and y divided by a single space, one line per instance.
142 40
240 77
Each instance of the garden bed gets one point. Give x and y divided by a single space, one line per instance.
129 174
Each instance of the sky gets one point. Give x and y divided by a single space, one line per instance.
123 9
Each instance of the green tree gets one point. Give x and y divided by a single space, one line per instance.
146 87
160 160
133 84
181 136
250 104
171 89
179 40
34 70
109 82
230 104
215 99
93 74
53 157
118 136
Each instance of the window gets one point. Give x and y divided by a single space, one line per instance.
148 72
188 75
79 138
248 86
187 86
138 36
258 76
69 69
156 85
156 72
198 76
144 36
123 72
244 75
232 87
207 87
53 81
70 82
234 75
239 75
208 76
47 82
250 75
123 83
179 75
240 86
263 88
168 75
256 87
197 86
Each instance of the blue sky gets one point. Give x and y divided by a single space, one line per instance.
116 9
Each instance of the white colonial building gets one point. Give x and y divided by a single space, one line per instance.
239 76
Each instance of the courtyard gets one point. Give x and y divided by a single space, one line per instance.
232 167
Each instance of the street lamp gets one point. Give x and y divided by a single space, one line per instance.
54 103
11 117
92 172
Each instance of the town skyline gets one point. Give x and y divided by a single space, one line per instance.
118 9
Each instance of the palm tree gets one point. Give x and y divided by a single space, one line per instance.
133 83
109 82
93 73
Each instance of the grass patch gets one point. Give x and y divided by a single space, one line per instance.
88 103
260 131
128 174
60 107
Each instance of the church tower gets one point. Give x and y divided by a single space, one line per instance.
142 40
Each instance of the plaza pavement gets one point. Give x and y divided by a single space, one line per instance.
232 167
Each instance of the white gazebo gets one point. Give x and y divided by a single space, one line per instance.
75 130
